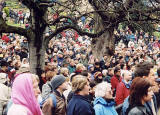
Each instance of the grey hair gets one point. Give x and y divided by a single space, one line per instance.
125 72
102 88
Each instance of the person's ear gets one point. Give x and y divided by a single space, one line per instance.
144 77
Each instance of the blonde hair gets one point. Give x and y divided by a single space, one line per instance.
78 83
102 88
50 75
34 76
79 66
63 70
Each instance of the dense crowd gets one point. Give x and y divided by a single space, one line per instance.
74 82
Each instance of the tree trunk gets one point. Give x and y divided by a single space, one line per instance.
36 58
37 47
103 45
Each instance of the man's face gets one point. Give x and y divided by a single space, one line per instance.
60 55
118 73
151 77
127 76
64 86
5 68
97 66
72 63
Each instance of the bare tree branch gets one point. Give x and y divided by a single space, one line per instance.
61 17
79 30
5 28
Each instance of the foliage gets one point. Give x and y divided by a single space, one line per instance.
136 14
14 4
6 10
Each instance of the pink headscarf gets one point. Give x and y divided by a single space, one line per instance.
23 94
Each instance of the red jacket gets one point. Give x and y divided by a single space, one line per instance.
115 81
121 93
5 38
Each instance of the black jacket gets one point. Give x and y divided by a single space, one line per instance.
139 110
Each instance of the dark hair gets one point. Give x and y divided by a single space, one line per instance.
84 73
122 65
138 90
116 69
97 63
143 69
92 84
4 63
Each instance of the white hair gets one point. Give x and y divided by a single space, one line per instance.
125 72
104 72
102 88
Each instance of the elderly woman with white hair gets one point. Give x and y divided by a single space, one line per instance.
104 102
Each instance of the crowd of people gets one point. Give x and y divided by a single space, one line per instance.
74 82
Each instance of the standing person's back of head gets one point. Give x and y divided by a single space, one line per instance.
4 63
143 69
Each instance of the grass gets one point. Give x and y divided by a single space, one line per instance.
14 4
9 22
157 34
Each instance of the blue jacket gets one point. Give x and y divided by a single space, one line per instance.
102 107
79 105
60 61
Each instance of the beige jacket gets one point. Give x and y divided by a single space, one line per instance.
5 93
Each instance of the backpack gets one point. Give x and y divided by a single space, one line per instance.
48 105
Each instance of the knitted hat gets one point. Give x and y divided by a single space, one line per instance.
57 81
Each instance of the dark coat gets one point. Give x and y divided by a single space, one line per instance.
79 105
139 110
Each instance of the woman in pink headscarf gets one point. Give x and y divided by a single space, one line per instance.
24 96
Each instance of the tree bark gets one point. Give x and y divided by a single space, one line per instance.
37 47
103 45
36 58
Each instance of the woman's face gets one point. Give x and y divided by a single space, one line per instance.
149 95
35 87
66 72
109 94
86 89
151 77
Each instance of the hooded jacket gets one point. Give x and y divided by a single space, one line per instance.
103 107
